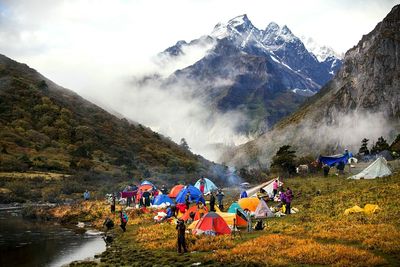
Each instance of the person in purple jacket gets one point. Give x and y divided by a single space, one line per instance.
289 196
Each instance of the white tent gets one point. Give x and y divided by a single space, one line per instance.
263 210
378 168
267 186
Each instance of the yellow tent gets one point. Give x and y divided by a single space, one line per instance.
368 209
249 203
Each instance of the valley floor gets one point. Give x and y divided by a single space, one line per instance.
319 234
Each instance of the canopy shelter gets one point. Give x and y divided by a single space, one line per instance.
378 168
160 199
249 203
196 212
267 186
335 159
195 195
175 190
212 224
209 186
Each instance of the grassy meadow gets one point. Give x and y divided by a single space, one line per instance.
319 234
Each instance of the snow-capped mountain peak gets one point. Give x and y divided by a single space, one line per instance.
236 26
321 52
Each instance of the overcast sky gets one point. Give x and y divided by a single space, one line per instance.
89 46
66 40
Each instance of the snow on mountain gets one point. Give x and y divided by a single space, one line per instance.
322 52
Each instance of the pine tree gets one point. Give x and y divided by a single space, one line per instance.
364 147
285 159
184 144
380 146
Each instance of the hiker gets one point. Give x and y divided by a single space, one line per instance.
202 184
340 166
164 190
200 209
275 187
86 195
192 214
180 226
187 200
124 220
326 169
220 196
288 197
108 223
113 203
146 198
212 202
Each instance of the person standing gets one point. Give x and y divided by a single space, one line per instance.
326 169
86 195
275 186
289 197
220 197
181 228
124 220
243 194
202 184
164 190
187 200
113 203
212 202
146 198
201 209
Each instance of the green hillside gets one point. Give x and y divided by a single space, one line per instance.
44 127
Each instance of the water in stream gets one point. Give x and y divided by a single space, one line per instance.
30 243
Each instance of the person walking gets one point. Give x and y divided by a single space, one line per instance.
86 195
124 220
181 228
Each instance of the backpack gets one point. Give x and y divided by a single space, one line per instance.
125 217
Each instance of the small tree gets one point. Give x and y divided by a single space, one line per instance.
184 144
380 146
284 160
364 147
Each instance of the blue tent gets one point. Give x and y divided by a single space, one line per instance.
208 186
162 199
235 206
335 159
195 195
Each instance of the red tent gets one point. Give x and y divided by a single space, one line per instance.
175 190
194 209
212 224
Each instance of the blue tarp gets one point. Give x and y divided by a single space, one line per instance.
162 199
195 195
208 185
335 159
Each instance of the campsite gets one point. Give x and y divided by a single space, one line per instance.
327 228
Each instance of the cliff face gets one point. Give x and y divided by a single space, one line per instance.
362 100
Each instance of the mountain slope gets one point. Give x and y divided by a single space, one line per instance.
361 101
46 127
265 74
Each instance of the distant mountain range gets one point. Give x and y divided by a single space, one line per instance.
265 74
363 100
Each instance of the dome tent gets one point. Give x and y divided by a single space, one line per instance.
195 195
160 199
208 186
195 210
249 203
212 224
233 207
147 182
175 190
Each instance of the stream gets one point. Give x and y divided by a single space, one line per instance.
25 242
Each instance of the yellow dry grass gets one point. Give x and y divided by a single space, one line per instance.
33 174
280 250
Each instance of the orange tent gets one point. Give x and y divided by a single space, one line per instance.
212 224
229 217
145 187
249 203
194 209
175 190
